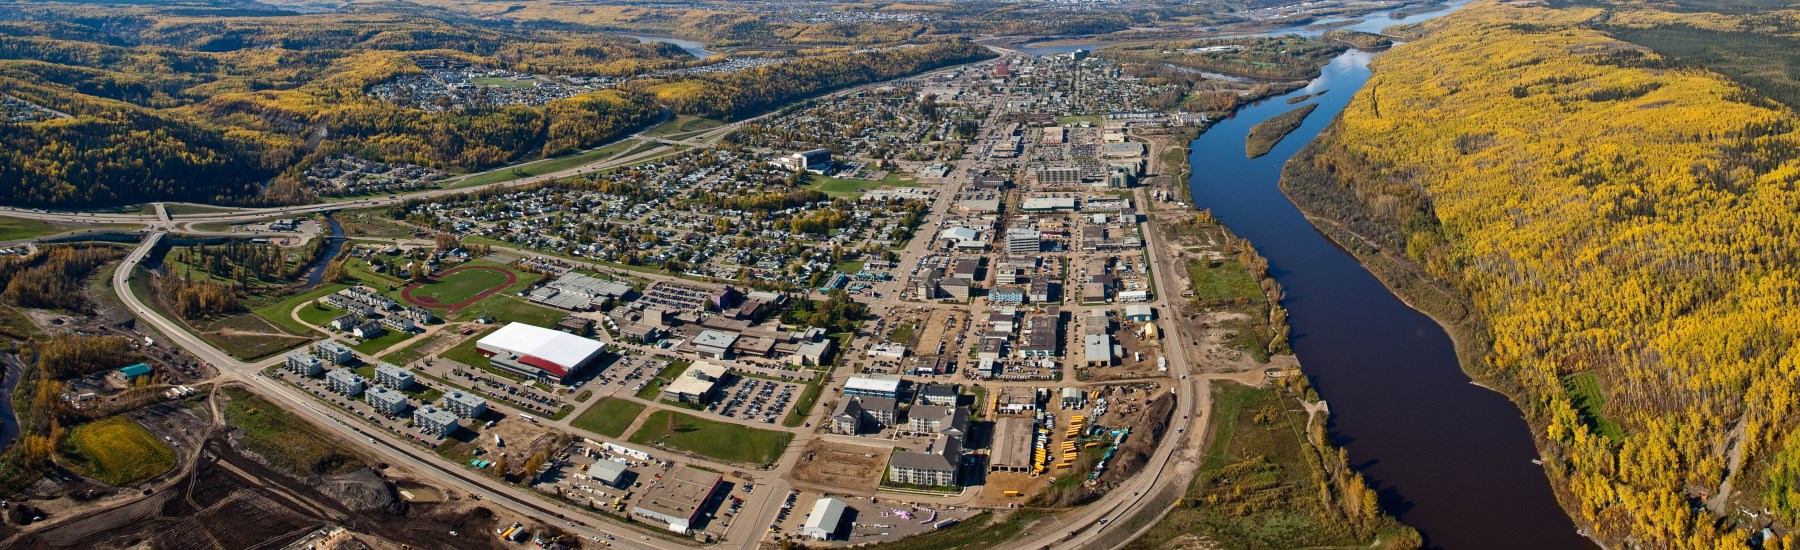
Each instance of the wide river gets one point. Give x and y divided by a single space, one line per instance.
1449 458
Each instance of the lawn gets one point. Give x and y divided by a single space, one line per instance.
191 209
609 417
12 229
505 309
709 438
465 352
682 124
461 284
411 352
803 405
319 314
663 377
849 188
503 82
284 440
383 342
280 311
851 268
546 166
119 452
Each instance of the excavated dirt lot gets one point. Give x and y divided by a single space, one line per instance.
840 468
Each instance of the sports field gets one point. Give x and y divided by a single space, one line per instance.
459 287
118 451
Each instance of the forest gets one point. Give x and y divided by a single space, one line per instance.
734 95
1615 222
1264 57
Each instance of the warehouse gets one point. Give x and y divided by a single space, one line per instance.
678 498
826 518
539 352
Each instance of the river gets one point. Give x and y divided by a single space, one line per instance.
693 48
1369 22
1449 458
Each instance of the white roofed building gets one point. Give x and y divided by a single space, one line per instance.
539 352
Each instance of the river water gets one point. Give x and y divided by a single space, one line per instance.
692 47
1370 22
1449 458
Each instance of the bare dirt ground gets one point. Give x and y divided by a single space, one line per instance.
839 468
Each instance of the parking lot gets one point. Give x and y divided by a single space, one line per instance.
515 394
755 399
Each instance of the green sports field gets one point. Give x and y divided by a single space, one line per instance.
459 286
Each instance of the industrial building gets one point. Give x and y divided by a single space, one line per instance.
1098 350
826 518
539 352
578 292
679 497
1011 448
608 472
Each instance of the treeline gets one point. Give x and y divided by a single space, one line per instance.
54 278
196 298
1604 216
1270 57
246 263
737 94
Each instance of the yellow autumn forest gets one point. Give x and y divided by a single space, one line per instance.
1617 219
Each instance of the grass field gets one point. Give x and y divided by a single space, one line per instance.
849 188
682 124
1584 390
383 342
503 82
709 438
1223 282
465 352
653 387
284 440
119 452
803 405
546 166
279 311
609 417
20 228
459 285
191 209
411 352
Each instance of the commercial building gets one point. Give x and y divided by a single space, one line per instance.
1020 240
579 292
714 344
387 401
884 386
346 382
697 384
1139 313
539 352
936 466
435 421
392 376
679 497
816 159
465 405
1048 204
298 362
1098 349
942 395
826 518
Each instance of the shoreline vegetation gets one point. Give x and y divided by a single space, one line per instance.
1398 181
1266 134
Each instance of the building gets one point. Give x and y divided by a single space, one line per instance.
539 352
346 322
464 405
934 419
887 350
1073 398
1098 350
398 323
857 414
334 351
1037 205
956 288
1009 295
578 292
298 362
387 401
1140 313
435 421
714 344
1020 240
368 329
826 519
608 472
679 497
1039 291
697 384
1011 448
345 381
394 377
942 395
814 160
1062 176
134 371
937 466
1121 150
1134 296
885 387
